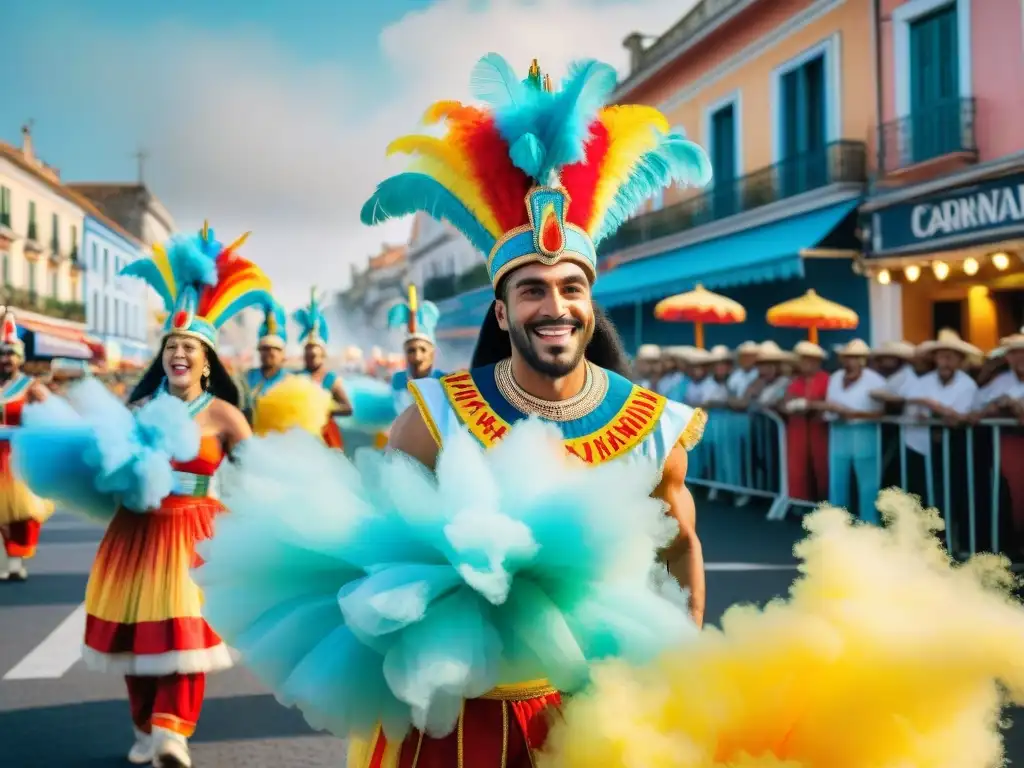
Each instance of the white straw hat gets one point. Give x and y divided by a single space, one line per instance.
648 352
950 340
770 352
719 354
748 348
901 349
853 348
809 349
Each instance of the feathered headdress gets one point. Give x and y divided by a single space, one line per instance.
274 331
538 175
202 283
312 322
417 319
9 339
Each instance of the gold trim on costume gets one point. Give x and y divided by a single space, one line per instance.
531 689
416 755
504 734
694 429
421 406
621 434
458 736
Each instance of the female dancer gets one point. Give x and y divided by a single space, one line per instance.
21 512
144 617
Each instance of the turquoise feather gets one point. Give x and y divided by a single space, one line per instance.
494 81
272 309
190 265
408 193
409 591
675 161
147 271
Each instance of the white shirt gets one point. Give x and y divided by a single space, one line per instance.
857 396
715 391
739 380
773 393
959 395
668 383
1006 384
695 396
896 383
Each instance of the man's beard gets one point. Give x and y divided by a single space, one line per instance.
522 341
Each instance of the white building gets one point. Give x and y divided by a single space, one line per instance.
41 224
438 256
116 308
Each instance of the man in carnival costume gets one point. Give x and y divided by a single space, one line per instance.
314 334
21 512
148 473
545 414
271 347
417 320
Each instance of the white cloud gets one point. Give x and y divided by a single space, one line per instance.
245 134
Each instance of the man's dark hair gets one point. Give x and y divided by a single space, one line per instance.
220 383
605 348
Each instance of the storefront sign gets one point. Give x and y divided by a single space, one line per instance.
985 212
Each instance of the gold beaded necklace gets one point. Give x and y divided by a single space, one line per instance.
593 393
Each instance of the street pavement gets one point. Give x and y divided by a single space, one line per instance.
54 712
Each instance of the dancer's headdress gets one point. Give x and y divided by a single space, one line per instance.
417 319
9 339
274 331
312 323
538 175
202 283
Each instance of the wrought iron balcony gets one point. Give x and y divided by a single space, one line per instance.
840 161
928 133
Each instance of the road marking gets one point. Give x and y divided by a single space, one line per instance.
734 567
53 657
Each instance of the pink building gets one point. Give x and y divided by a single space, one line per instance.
945 220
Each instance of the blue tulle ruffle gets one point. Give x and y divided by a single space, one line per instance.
90 453
380 592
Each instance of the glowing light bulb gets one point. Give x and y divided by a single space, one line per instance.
1000 261
940 269
884 278
970 266
912 272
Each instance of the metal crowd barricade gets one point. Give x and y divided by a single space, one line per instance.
764 471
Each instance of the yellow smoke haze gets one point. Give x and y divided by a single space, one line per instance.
297 402
884 655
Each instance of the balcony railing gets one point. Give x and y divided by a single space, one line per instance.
943 128
840 161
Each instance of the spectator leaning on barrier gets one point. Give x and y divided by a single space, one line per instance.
995 364
647 366
724 441
679 356
1004 398
895 361
698 362
743 375
853 437
946 394
806 431
671 372
770 386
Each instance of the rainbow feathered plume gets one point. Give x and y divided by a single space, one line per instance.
202 283
581 168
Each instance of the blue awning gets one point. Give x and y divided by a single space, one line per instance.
757 255
462 315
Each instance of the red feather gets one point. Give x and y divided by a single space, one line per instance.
504 185
580 179
231 269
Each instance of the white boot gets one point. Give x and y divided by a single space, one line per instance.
16 569
170 750
141 752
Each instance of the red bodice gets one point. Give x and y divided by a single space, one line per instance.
12 410
211 454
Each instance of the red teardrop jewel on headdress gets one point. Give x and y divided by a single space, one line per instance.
551 233
180 319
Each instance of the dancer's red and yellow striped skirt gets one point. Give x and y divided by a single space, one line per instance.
143 608
501 730
17 502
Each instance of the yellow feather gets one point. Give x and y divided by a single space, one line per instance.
428 146
238 243
440 110
632 131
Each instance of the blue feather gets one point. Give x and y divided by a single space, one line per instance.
408 193
429 314
147 271
398 315
675 161
493 81
191 266
527 154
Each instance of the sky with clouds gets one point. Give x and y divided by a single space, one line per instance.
273 115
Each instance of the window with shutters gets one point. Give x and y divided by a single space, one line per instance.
934 84
803 127
723 130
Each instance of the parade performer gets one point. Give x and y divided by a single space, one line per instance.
417 320
149 474
528 554
314 335
271 348
22 513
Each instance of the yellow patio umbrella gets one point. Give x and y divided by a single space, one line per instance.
699 306
814 313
